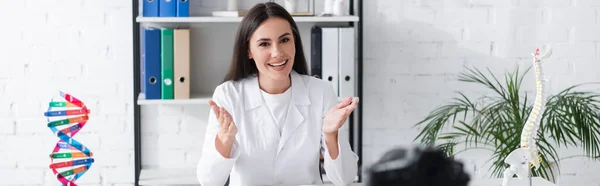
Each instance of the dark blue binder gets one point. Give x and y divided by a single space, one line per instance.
150 8
183 8
151 70
167 8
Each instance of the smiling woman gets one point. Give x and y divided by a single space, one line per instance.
267 34
272 50
270 121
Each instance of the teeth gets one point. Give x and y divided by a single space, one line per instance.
278 64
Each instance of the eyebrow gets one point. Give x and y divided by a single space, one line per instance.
267 39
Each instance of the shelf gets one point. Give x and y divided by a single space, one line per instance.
195 99
211 19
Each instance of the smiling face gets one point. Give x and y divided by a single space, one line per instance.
273 49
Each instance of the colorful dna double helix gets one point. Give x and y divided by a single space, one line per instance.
66 117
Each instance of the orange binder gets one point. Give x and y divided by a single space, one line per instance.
181 60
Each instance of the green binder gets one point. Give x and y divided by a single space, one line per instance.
166 54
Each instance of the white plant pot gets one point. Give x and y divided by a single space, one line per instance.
290 5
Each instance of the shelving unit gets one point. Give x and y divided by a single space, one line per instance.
210 19
195 99
187 176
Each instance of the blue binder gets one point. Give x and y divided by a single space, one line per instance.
183 8
151 70
150 8
167 8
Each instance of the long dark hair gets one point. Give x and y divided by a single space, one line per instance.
242 67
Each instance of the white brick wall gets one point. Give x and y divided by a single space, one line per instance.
412 48
80 47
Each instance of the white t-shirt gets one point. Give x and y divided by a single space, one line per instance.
278 104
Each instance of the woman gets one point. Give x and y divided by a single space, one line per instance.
270 121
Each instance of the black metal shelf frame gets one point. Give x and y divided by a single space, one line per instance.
136 89
356 145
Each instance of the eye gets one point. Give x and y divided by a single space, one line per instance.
285 40
263 44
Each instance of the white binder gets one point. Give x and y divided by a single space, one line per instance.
333 59
325 55
330 58
347 69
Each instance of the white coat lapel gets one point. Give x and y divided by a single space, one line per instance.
295 116
253 102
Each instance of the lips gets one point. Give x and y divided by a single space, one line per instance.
278 64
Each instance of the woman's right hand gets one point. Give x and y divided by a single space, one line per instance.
227 129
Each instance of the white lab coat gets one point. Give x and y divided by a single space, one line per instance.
260 156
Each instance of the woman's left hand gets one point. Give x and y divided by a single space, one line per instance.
337 116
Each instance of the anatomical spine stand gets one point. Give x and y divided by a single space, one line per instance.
527 155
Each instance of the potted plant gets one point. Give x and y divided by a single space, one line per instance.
494 122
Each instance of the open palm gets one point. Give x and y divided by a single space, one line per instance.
336 116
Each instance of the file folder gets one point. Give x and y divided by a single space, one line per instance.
325 55
181 60
167 8
150 8
151 63
347 68
166 54
183 8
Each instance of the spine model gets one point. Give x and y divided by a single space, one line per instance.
530 130
527 155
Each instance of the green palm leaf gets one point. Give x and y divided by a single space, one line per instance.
571 119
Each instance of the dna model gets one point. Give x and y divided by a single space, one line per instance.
527 155
70 159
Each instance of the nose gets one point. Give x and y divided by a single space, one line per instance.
276 51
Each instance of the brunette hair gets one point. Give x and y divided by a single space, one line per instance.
241 67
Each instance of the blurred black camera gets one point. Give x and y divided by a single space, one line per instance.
417 166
